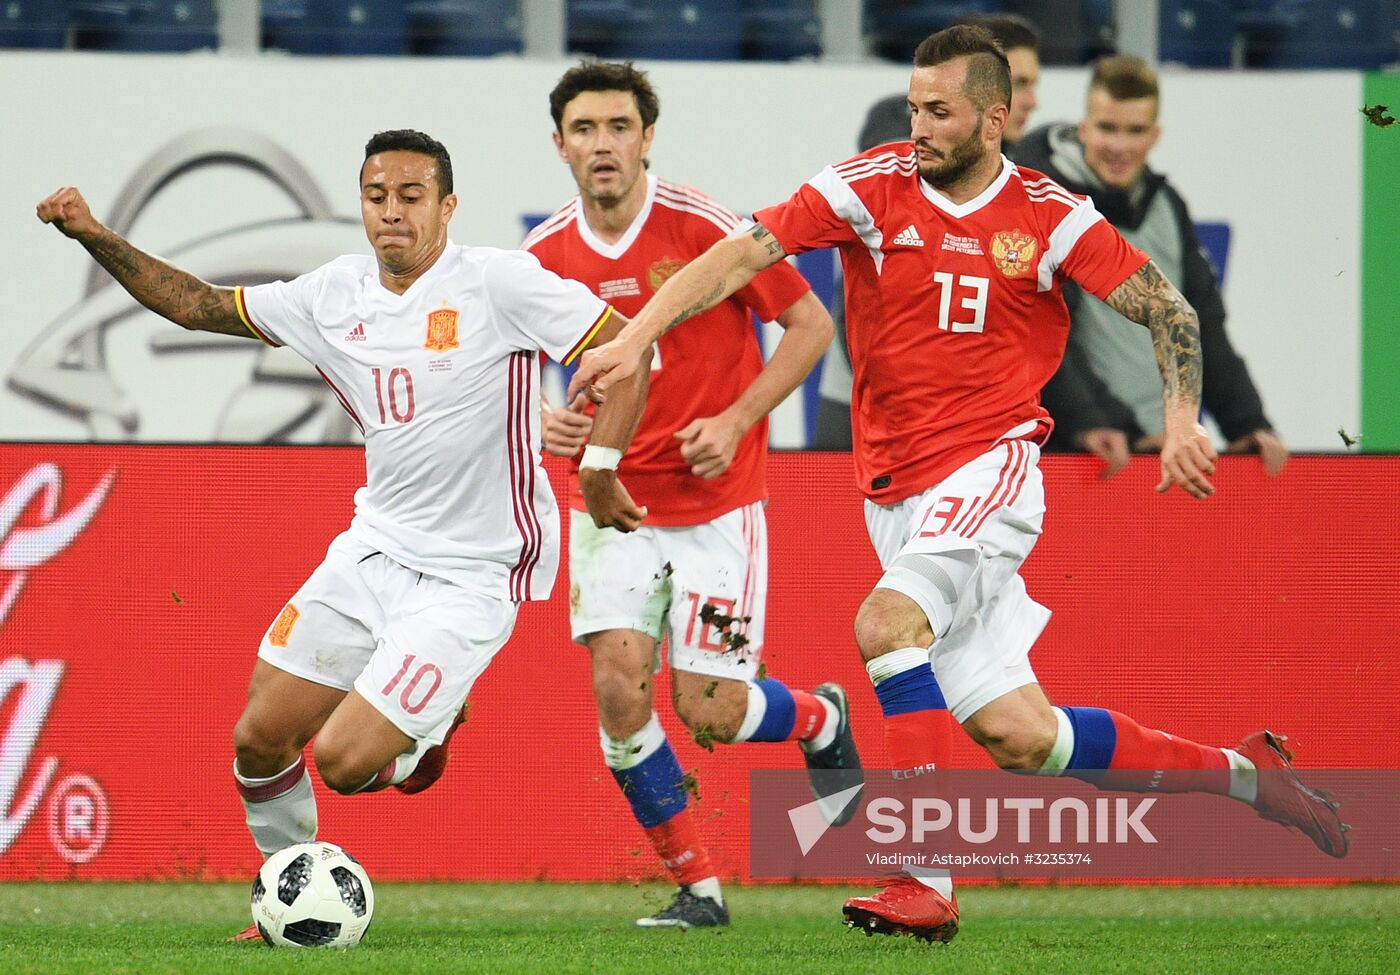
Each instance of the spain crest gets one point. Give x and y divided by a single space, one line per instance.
1013 251
661 270
442 330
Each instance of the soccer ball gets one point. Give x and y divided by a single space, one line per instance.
312 894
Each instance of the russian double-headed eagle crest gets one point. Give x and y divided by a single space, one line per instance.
1013 252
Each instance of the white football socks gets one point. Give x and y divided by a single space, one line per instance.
280 809
709 887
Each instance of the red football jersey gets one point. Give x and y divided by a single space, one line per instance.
954 313
698 369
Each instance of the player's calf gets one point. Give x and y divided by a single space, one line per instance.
1018 730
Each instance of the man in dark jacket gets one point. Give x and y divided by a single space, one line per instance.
1106 397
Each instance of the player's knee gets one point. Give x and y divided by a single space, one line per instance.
937 583
260 750
889 621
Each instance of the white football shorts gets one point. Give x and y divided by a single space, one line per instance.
658 581
993 506
411 644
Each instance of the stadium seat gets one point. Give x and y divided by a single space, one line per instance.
686 30
145 25
1199 33
464 28
33 23
1262 25
335 26
780 30
1071 31
895 27
1357 34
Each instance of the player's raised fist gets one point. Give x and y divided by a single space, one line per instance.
69 212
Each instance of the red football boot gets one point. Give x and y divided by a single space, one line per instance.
904 906
1284 799
250 933
434 761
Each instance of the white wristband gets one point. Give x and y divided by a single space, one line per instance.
600 458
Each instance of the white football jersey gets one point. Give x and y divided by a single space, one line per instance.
443 381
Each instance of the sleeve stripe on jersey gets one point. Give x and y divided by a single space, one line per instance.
1062 241
241 304
551 224
1057 196
846 205
1044 183
688 201
887 162
582 343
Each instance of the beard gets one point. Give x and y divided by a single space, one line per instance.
957 162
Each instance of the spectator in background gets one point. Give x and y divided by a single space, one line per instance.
1106 397
888 121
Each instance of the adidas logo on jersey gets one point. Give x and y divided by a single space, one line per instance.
356 334
908 237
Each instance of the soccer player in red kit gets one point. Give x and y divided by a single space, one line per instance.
695 571
954 260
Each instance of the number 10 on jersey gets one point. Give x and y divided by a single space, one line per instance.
397 389
972 297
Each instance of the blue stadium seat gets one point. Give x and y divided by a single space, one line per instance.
1358 34
145 25
686 30
1071 31
1262 26
676 30
464 28
33 23
780 30
896 27
1199 33
335 26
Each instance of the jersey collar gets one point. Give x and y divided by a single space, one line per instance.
433 271
961 210
614 251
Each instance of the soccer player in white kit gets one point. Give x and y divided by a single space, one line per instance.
954 259
432 348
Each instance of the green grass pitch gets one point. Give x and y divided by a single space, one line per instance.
180 928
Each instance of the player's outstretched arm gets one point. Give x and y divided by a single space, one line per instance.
703 283
613 428
1148 298
708 443
165 290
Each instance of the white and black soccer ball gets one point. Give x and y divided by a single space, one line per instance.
312 894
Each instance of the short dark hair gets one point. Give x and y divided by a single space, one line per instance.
1011 31
605 76
1125 77
411 140
988 74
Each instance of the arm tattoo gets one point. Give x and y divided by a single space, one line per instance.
715 294
1149 299
739 274
167 291
765 237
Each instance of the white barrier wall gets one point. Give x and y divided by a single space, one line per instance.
1275 156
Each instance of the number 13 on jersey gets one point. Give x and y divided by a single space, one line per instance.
971 292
